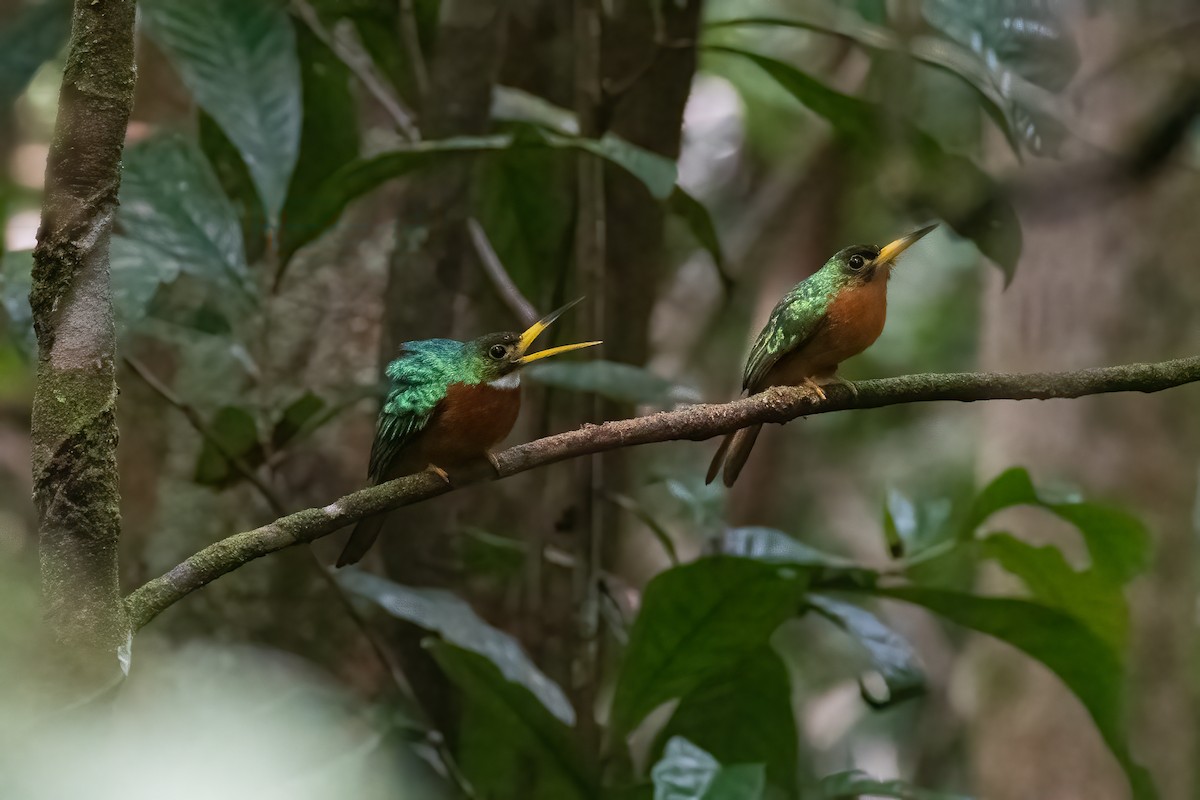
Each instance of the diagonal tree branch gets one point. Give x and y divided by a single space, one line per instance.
694 423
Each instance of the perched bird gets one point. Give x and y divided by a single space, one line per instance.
448 404
835 313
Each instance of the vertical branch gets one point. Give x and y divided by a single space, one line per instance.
74 428
589 263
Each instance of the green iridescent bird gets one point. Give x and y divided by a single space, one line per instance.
835 313
448 404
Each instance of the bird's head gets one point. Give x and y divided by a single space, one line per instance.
501 354
863 263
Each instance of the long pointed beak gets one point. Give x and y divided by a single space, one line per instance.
535 330
892 251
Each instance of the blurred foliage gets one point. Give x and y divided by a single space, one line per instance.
210 223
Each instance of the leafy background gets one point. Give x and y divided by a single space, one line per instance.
915 602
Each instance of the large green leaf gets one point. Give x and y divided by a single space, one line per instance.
686 772
697 621
171 200
361 176
137 268
743 716
238 59
700 223
455 621
1085 663
27 41
855 784
892 657
951 186
1117 542
624 383
542 740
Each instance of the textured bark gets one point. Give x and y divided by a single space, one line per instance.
695 423
74 427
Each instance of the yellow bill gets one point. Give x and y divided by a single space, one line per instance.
891 251
535 330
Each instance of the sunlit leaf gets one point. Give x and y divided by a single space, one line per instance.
238 59
28 40
543 740
892 657
698 621
687 772
1088 666
621 382
743 716
855 784
951 186
171 200
453 619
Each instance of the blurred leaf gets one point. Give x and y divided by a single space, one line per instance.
624 383
647 517
29 39
693 212
524 202
775 546
910 528
688 773
743 716
1119 546
1088 666
891 655
952 186
295 417
545 740
697 621
15 281
238 59
138 269
453 619
1094 600
324 148
485 553
516 105
236 183
234 428
855 783
359 177
170 200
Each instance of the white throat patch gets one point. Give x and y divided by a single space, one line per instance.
510 381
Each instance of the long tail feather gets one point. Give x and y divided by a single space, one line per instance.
739 450
364 535
718 458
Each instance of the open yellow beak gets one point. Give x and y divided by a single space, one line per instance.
535 330
892 251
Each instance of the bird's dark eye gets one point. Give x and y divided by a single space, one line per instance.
856 261
498 351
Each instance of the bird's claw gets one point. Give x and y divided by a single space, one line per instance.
815 388
441 473
495 462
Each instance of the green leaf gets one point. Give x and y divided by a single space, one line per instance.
855 784
15 281
171 200
516 105
693 212
236 183
543 739
911 528
292 421
775 546
624 383
687 772
138 269
361 176
1089 667
892 657
951 186
647 518
1091 598
1119 545
743 716
698 621
234 428
238 59
453 619
28 40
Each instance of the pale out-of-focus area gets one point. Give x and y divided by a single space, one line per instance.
929 600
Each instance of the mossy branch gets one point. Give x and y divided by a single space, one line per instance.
693 423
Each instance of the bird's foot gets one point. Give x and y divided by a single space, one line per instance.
495 462
441 473
815 388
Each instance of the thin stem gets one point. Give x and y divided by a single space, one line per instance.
508 290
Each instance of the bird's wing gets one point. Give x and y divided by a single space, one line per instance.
793 322
411 402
